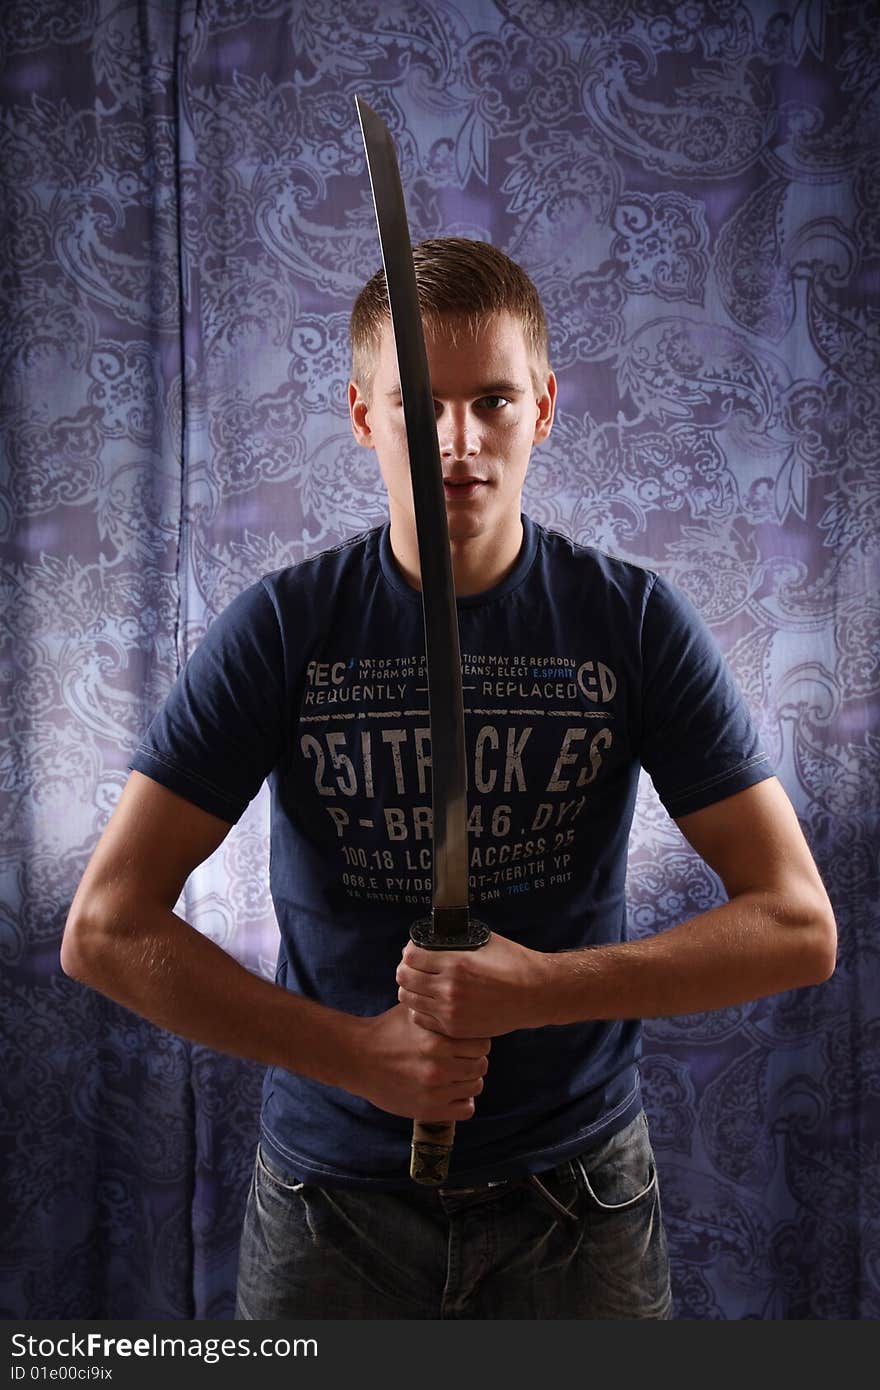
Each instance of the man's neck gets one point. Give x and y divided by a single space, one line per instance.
478 563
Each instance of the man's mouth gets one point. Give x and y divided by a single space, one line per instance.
462 488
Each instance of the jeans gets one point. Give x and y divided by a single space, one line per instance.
586 1242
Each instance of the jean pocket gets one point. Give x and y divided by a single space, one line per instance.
622 1205
624 1174
268 1172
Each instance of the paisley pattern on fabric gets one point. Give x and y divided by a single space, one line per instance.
693 185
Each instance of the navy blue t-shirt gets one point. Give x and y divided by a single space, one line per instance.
577 670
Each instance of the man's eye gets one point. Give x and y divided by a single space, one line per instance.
495 402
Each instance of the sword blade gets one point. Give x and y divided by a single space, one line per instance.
445 701
450 926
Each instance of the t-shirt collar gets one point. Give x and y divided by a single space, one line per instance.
516 576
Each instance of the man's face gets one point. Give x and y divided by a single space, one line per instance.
489 415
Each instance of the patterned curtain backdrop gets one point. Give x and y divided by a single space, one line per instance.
186 219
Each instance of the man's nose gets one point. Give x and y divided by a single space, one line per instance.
457 433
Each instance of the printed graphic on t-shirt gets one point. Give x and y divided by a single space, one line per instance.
539 732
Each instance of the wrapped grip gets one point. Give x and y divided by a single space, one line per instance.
431 1151
450 930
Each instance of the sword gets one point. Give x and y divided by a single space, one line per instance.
450 926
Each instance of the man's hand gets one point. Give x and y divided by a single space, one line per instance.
123 938
424 1075
775 932
490 991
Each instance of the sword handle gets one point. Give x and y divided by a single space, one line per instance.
451 929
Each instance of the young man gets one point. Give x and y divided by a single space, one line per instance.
577 670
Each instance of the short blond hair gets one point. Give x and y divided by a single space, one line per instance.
460 284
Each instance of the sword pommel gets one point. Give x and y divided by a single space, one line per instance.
431 1151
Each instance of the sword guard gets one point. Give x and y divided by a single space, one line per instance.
450 929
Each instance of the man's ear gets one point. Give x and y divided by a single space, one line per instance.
546 403
358 409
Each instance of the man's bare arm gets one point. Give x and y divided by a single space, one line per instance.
123 938
776 932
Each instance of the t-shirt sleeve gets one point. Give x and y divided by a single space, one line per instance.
220 731
699 744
